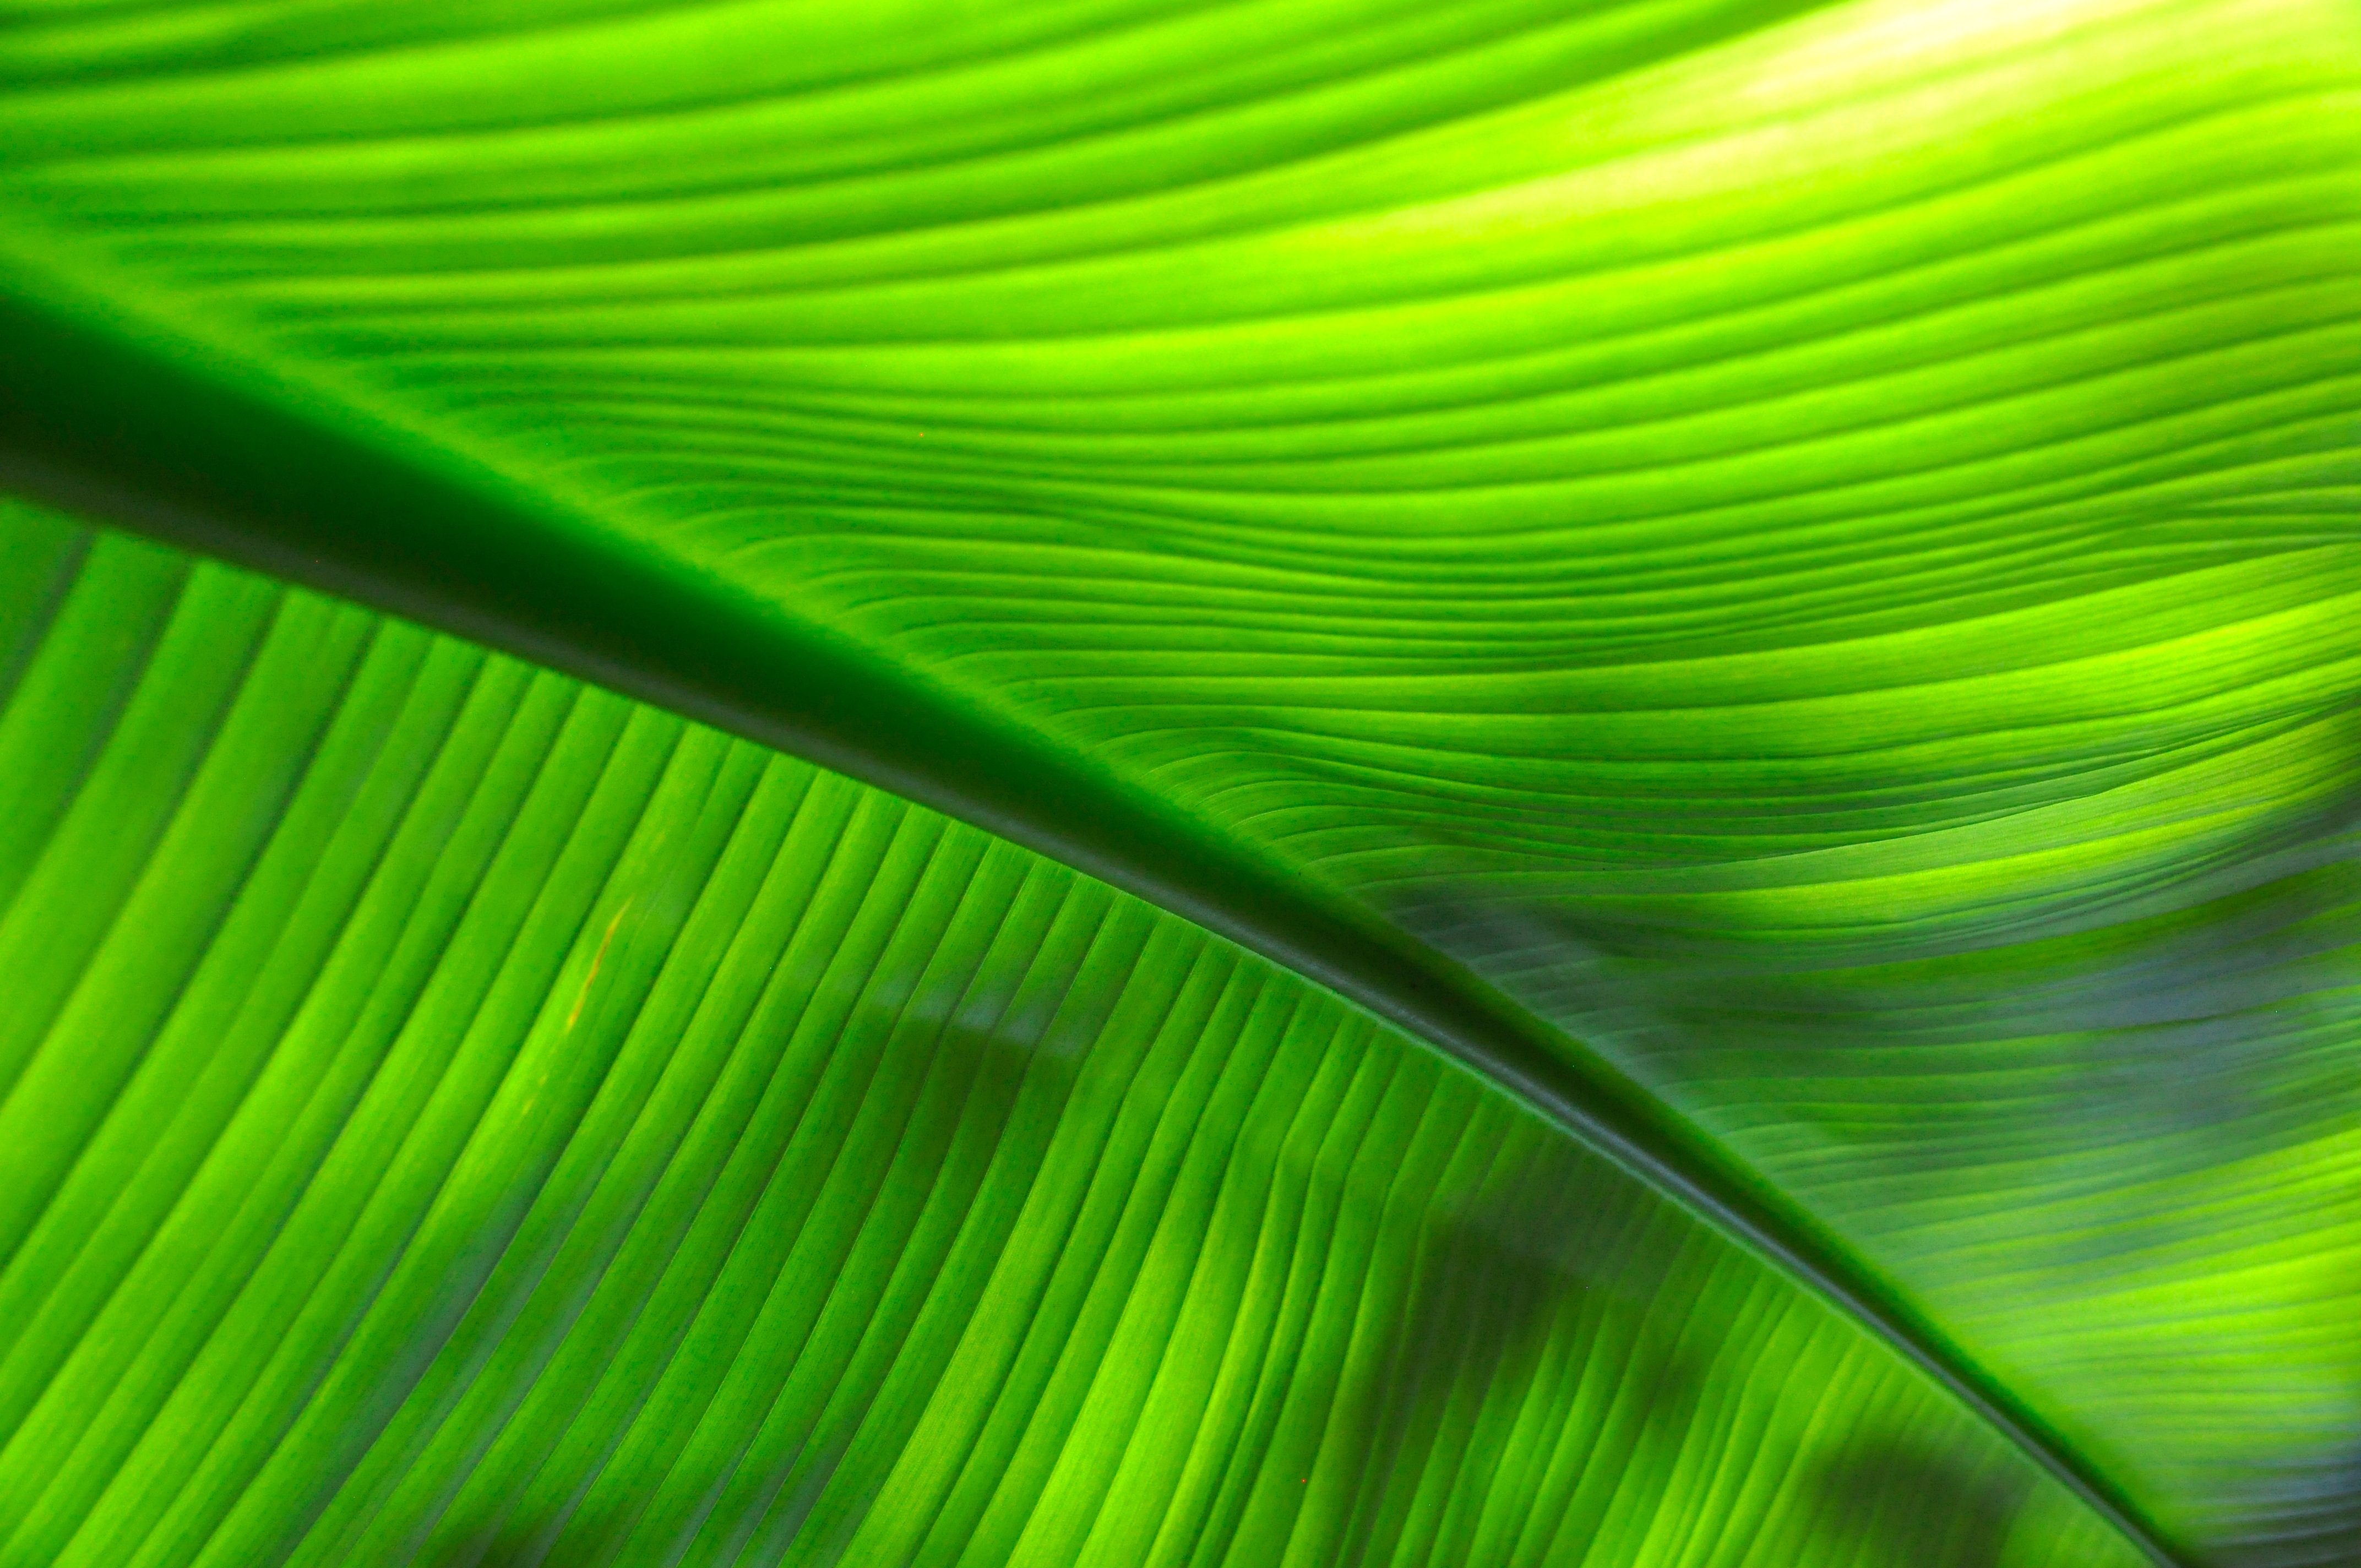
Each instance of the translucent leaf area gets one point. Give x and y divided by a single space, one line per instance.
459 1117
1811 546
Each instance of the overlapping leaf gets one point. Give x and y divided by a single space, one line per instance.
462 1117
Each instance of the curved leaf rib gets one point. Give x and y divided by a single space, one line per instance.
1810 547
149 439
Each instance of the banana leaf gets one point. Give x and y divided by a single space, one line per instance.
1308 781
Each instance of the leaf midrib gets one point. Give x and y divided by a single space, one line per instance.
126 416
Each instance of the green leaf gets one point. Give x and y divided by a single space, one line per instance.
1775 579
464 1116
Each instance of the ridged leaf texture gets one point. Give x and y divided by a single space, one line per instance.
1593 781
468 1117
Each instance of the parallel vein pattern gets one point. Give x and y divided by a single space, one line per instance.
1811 544
470 1119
